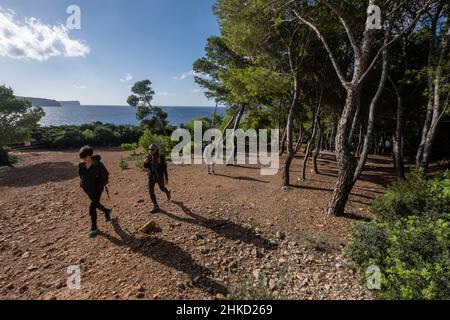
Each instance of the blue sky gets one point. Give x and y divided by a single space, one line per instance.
119 43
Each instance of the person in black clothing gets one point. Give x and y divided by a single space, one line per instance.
94 178
156 165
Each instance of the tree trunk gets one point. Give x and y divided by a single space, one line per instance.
429 114
354 124
398 147
371 120
300 139
283 143
315 127
4 159
237 122
317 148
289 142
436 109
214 116
345 160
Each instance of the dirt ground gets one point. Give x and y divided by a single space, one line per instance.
221 236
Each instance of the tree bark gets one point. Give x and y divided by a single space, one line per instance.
371 120
312 140
283 143
436 109
289 142
317 146
237 122
397 148
354 124
300 139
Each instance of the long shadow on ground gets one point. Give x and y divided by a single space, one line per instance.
225 228
38 174
168 254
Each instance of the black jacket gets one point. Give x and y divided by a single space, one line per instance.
156 169
95 178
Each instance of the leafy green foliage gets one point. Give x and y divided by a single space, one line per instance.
410 240
416 196
129 147
165 143
149 115
123 164
17 119
96 134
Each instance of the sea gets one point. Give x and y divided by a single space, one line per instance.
119 115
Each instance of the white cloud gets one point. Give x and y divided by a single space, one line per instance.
195 91
76 86
126 78
162 94
186 75
34 40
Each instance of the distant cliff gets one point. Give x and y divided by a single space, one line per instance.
40 102
70 103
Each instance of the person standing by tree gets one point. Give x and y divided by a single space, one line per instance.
94 178
156 166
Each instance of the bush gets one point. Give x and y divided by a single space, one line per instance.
140 164
164 143
96 134
12 158
409 241
416 196
123 164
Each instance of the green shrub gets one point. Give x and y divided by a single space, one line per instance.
123 164
96 134
409 241
128 146
12 158
417 262
165 143
416 196
140 164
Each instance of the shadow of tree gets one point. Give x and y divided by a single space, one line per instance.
242 178
356 217
225 228
38 174
168 254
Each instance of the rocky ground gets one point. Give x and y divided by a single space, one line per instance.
233 235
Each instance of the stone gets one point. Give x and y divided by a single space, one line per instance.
272 284
281 235
220 296
256 273
181 285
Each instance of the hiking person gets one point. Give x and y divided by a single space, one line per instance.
156 166
208 157
94 178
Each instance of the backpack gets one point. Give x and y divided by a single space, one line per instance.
104 173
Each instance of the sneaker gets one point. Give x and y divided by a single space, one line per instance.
93 233
108 215
155 209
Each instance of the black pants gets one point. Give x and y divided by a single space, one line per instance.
151 189
95 204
